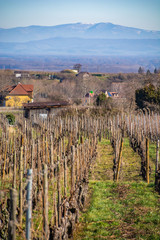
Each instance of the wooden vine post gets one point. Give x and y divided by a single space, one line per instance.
21 185
51 146
147 160
157 155
59 190
29 204
32 154
65 182
38 168
45 203
14 170
25 147
65 177
55 206
115 160
119 158
12 223
156 164
72 170
5 157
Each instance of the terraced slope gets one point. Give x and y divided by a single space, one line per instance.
125 210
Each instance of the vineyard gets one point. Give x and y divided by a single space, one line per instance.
46 165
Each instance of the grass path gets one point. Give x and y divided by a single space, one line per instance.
129 209
131 164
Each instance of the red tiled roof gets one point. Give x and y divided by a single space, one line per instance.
28 87
20 89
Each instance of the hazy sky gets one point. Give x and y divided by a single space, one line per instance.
134 13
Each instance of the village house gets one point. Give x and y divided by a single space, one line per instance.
21 74
17 95
84 75
110 94
114 94
90 96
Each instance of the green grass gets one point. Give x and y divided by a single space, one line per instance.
131 163
152 158
125 210
121 211
103 78
152 151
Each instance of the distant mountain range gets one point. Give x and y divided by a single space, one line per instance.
75 30
79 39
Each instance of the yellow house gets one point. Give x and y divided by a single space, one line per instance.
16 96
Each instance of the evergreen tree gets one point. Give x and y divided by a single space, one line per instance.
140 70
148 73
155 71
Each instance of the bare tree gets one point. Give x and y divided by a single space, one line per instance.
77 67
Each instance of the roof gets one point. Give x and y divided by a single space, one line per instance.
21 72
28 87
40 105
109 94
83 74
114 94
19 89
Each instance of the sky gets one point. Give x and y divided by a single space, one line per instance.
144 14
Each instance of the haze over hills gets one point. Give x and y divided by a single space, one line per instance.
78 30
78 40
83 47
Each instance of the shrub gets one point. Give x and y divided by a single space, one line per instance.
11 118
101 99
97 74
